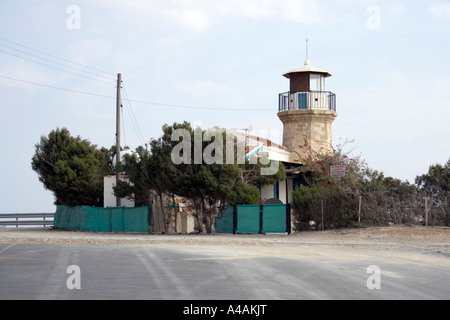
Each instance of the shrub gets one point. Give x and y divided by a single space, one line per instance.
383 199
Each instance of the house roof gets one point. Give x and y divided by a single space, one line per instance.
276 152
259 140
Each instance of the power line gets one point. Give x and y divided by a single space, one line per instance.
136 129
56 68
199 108
133 117
53 56
58 88
105 72
49 60
139 101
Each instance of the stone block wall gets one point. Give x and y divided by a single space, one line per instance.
307 132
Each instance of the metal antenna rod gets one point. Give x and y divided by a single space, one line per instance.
307 53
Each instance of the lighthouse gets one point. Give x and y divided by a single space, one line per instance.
307 112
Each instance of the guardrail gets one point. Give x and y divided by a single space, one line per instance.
23 219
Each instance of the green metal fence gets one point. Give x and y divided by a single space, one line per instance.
255 219
226 223
102 219
274 218
248 219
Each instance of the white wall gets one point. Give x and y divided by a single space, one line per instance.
109 199
282 191
267 192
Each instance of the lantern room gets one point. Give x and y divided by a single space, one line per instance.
307 90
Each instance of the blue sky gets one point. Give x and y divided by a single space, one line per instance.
389 60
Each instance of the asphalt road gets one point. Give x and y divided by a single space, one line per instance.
43 271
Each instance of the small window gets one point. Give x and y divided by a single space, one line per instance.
317 82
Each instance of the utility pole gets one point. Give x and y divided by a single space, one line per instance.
118 105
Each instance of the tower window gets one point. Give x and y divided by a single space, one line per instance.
317 82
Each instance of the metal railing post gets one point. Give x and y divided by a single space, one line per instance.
324 100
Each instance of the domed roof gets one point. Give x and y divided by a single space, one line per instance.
307 68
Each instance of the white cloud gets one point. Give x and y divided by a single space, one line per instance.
405 109
397 9
300 11
196 20
202 88
402 128
440 10
199 15
207 92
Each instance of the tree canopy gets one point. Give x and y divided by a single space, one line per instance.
208 184
436 180
435 185
366 195
195 164
72 168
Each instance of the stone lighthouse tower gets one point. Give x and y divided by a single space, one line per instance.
307 112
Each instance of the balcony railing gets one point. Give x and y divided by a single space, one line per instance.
312 100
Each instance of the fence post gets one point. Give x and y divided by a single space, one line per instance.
426 211
234 219
288 218
123 219
260 219
110 219
323 227
359 210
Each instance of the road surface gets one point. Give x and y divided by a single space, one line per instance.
219 268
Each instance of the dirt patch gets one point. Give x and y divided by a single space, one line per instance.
420 245
414 235
436 238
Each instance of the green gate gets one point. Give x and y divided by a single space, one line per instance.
248 219
254 219
274 218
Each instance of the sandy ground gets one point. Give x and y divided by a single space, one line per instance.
430 237
430 245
